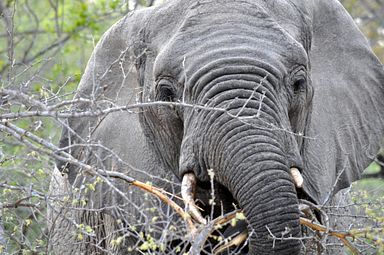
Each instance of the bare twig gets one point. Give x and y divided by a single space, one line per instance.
19 203
160 193
20 133
234 242
100 112
205 230
339 234
330 193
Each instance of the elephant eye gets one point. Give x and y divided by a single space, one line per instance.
299 85
165 90
299 80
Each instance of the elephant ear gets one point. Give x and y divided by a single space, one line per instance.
347 119
110 79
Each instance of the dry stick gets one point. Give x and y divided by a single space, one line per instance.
18 203
236 241
160 193
14 205
129 108
21 134
341 235
201 238
206 230
312 206
213 225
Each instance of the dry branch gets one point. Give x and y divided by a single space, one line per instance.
206 230
19 203
200 235
339 234
160 193
236 241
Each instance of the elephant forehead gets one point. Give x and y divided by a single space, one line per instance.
225 29
273 16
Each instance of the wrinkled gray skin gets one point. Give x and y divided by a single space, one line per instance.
278 67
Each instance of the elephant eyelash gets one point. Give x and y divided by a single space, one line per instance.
298 80
165 90
166 94
299 85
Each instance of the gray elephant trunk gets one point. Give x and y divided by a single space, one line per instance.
246 151
255 171
265 192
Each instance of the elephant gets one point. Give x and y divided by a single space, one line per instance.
244 91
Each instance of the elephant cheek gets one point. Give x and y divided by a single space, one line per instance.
189 159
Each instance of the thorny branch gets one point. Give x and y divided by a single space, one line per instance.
18 203
54 151
49 112
41 145
205 231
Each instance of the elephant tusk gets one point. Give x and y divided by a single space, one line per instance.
297 177
188 188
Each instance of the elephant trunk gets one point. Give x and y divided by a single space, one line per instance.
246 150
254 169
264 190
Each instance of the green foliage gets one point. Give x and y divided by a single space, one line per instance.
372 168
368 195
368 14
43 54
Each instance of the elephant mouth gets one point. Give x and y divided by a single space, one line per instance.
188 189
188 193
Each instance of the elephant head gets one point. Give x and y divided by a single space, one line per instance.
254 88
